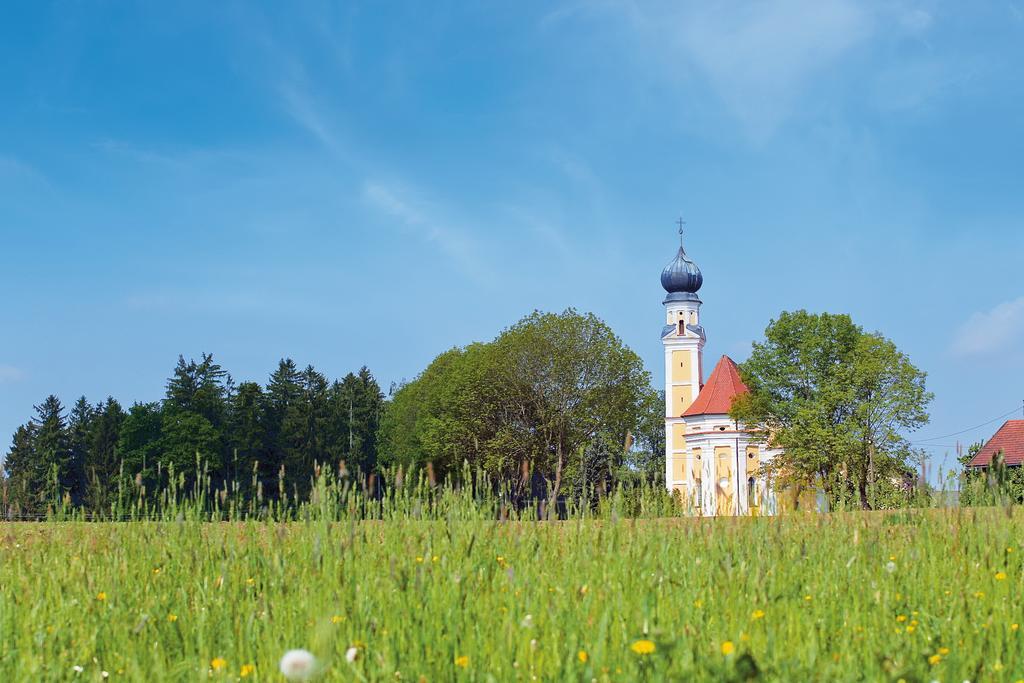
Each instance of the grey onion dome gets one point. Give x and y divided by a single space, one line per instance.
681 276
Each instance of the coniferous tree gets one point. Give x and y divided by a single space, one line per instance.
193 416
21 477
102 457
355 406
246 433
304 430
52 450
283 393
139 442
80 426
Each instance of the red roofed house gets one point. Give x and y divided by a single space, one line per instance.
1009 439
710 460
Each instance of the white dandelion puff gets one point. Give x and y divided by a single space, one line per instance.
105 674
890 566
77 669
298 665
527 621
351 654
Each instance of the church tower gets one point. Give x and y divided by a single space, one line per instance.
683 339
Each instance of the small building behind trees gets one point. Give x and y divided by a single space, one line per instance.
1008 440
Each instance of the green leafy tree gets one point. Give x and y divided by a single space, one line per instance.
838 400
535 399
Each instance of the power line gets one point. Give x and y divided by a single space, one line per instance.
946 436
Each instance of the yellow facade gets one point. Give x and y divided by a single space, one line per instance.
725 481
678 436
682 366
682 397
678 468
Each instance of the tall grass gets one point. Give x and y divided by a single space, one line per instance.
443 582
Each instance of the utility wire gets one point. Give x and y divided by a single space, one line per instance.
962 431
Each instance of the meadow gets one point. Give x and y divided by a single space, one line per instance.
448 588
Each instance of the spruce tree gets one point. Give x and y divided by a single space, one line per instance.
283 393
53 451
80 426
21 472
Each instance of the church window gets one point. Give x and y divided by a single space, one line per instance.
697 488
751 492
721 429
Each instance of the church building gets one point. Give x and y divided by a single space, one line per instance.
711 461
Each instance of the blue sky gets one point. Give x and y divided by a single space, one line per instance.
352 184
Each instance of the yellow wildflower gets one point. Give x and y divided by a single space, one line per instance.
462 661
943 651
934 659
172 618
251 581
1014 627
435 558
979 594
218 663
101 596
337 619
728 648
582 656
901 618
1000 576
643 647
808 598
419 560
757 614
247 670
698 603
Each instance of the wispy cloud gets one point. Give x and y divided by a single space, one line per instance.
997 330
401 203
308 114
9 373
760 56
763 60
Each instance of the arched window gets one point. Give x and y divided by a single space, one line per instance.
752 492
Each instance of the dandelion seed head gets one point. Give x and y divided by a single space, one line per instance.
351 654
298 665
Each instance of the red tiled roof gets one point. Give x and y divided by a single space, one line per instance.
716 396
1009 439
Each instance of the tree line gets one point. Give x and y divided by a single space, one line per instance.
247 438
555 404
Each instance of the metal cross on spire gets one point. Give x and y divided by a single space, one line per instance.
680 223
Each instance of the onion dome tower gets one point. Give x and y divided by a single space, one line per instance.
681 278
683 339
